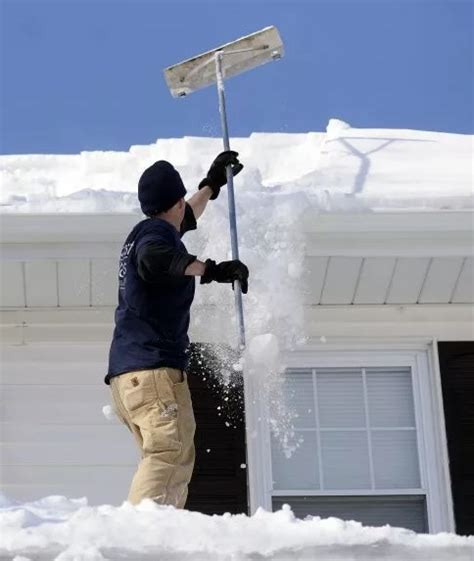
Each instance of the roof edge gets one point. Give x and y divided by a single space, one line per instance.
108 227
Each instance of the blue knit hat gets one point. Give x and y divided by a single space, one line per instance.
159 188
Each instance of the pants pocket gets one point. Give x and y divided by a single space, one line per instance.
138 389
160 435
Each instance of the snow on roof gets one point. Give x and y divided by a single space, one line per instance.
342 170
68 529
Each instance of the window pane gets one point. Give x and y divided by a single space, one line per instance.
395 459
300 471
390 396
299 395
345 460
408 511
340 398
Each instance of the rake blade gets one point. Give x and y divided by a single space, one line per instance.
239 56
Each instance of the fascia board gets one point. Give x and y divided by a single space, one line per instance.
444 243
391 222
108 227
66 228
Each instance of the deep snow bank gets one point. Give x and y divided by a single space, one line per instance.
344 169
58 529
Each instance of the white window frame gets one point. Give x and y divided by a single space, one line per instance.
429 416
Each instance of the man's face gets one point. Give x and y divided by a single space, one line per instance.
181 208
176 212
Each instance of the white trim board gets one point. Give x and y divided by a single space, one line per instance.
112 227
384 221
337 313
51 228
344 324
390 244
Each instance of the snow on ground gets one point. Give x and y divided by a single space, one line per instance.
59 529
344 169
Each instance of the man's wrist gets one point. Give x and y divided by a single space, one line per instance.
210 268
195 269
207 190
214 190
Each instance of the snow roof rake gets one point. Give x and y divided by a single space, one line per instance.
212 67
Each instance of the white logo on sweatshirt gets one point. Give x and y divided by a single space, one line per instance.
123 263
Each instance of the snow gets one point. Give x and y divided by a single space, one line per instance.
108 412
343 170
60 529
264 349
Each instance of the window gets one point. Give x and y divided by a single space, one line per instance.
359 452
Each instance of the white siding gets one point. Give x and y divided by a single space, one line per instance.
104 282
74 282
41 283
54 436
12 284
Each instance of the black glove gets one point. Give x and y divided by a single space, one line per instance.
227 271
216 176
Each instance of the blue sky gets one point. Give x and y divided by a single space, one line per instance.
87 75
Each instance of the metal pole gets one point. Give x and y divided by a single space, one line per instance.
230 194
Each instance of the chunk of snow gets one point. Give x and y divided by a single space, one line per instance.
264 349
295 270
336 127
109 412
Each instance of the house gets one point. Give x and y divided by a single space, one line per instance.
378 391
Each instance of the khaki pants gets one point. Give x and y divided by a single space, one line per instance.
156 406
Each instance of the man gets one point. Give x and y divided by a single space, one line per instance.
147 358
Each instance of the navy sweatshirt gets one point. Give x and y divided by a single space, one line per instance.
155 297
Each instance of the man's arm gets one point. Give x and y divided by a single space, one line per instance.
160 258
157 259
199 200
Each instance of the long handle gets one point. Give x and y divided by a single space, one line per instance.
230 194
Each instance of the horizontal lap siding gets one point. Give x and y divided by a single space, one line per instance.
54 438
74 282
54 403
83 448
12 285
101 484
